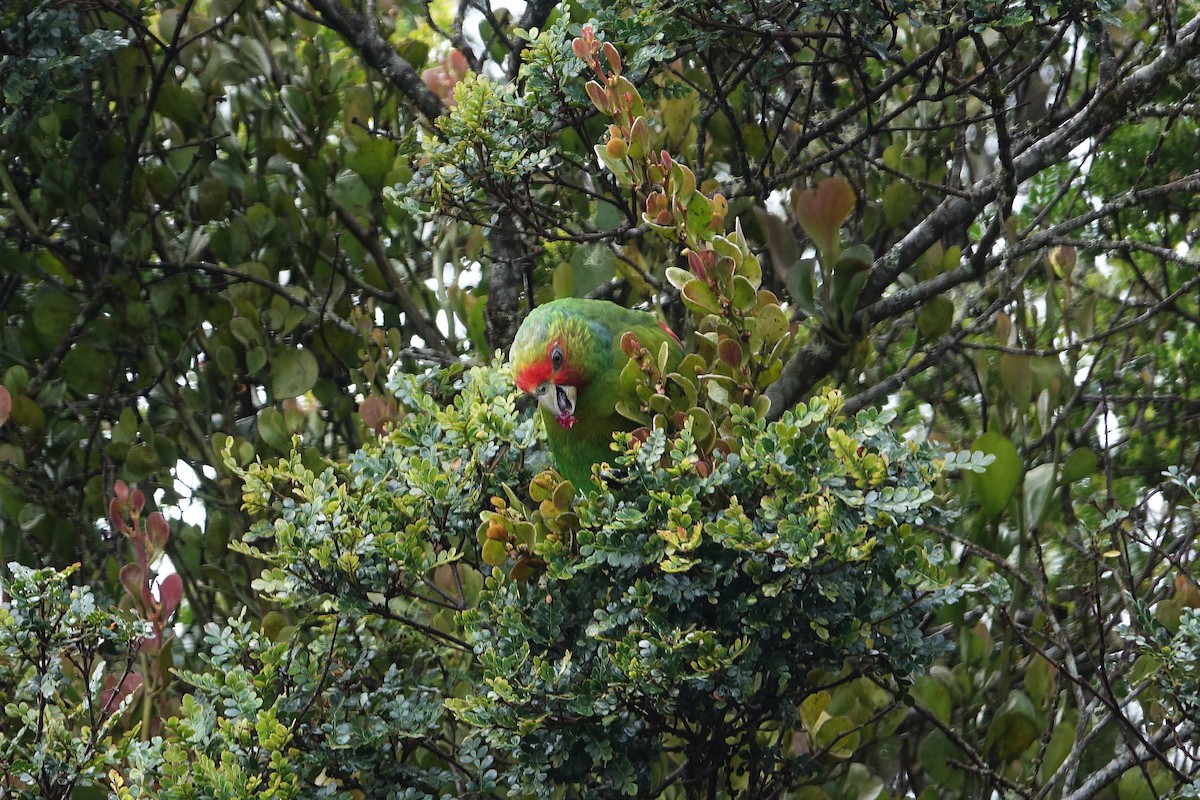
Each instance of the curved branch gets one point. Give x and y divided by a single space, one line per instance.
363 35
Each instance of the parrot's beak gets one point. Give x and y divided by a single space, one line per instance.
559 400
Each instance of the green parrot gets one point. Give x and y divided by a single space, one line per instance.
568 355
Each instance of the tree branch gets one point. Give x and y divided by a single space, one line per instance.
816 360
363 35
1130 758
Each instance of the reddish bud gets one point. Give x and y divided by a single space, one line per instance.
133 580
456 63
598 94
115 516
614 58
139 501
699 263
121 491
579 48
170 592
664 217
158 530
639 135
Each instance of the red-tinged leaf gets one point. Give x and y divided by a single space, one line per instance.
639 138
158 530
684 183
374 413
614 59
170 592
139 500
132 580
730 352
115 515
5 405
1062 259
598 95
698 297
781 243
822 209
112 697
580 50
700 263
121 491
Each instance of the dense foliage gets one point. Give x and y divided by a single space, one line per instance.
916 517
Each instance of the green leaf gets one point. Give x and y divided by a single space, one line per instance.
619 167
414 51
678 277
699 297
53 313
899 199
995 486
351 193
699 215
1080 463
256 359
272 431
936 754
1038 492
245 331
1017 378
812 709
372 159
1062 739
495 553
142 461
293 372
1040 679
839 735
772 323
1134 786
88 370
935 317
179 105
1014 728
861 784
934 696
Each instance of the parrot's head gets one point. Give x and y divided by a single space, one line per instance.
554 358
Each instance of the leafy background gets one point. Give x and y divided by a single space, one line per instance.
230 233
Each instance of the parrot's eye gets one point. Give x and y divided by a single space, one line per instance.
556 357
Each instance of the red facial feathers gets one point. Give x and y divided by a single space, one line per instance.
533 375
537 373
